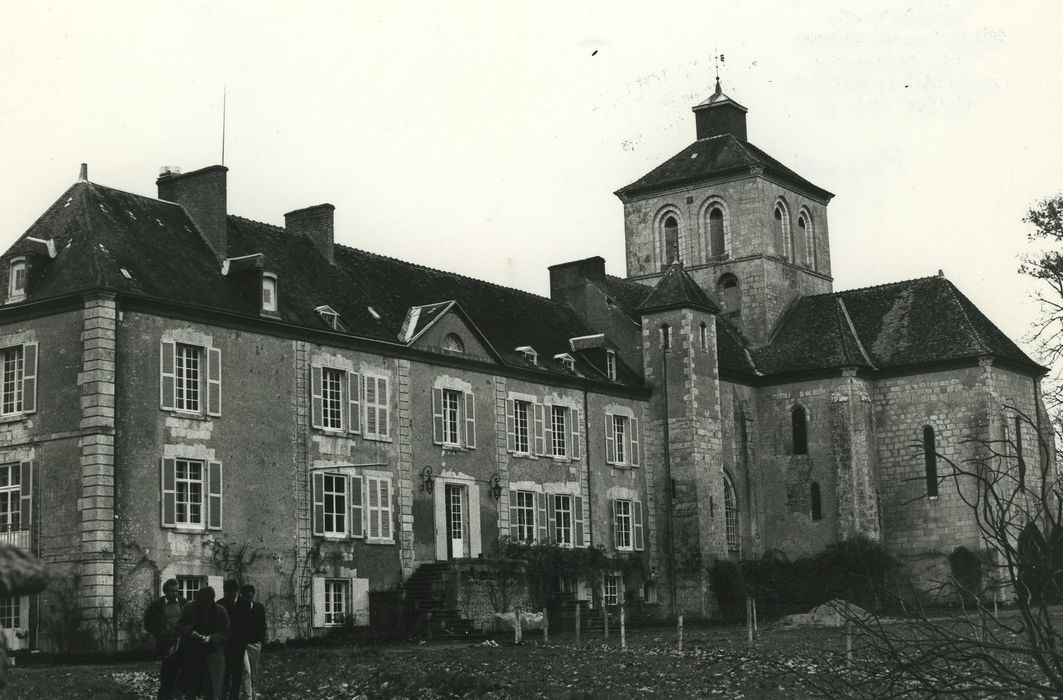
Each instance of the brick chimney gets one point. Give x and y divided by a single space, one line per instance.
317 224
567 280
202 193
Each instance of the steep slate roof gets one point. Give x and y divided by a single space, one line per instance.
915 322
677 290
712 158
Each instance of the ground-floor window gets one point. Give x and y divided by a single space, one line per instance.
11 612
612 588
337 600
188 585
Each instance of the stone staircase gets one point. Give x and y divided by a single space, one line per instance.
431 607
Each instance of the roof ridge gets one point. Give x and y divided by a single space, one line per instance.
280 229
872 286
131 194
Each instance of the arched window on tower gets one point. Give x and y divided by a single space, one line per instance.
727 293
716 238
671 240
730 513
783 235
816 501
799 430
808 238
930 461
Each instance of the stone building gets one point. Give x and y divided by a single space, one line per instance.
192 394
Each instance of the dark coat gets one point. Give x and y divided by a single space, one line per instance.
255 624
155 622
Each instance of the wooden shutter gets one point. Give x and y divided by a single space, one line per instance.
577 521
384 407
168 374
26 495
511 426
540 499
372 426
354 403
374 509
357 506
539 443
548 429
551 517
437 416
636 524
317 595
610 446
213 381
317 402
574 451
514 532
385 508
318 496
29 377
633 459
169 492
214 490
470 420
616 524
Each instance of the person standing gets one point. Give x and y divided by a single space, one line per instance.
254 638
204 627
236 608
160 620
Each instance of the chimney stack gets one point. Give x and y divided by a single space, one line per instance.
317 224
202 193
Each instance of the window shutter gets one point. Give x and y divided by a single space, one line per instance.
511 426
213 381
514 533
374 509
168 374
317 585
318 496
633 458
169 492
577 520
354 403
383 422
29 377
548 429
616 524
539 442
551 517
317 404
574 451
385 509
26 495
357 507
540 499
610 446
636 509
214 505
371 421
437 416
470 420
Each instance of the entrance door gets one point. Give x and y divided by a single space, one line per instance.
457 531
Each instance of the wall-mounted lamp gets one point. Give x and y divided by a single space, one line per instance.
427 480
495 482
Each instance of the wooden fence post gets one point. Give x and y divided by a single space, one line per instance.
577 621
679 632
546 627
623 630
517 632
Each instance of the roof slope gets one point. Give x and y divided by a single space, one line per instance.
711 158
676 289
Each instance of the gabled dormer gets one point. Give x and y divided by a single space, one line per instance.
445 328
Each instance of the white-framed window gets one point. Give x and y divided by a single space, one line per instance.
621 440
378 508
334 492
377 424
522 516
335 399
16 286
188 585
627 525
191 378
269 293
529 354
610 365
19 379
522 417
11 612
330 317
566 360
10 498
191 493
563 521
730 514
453 417
559 430
611 587
453 343
337 500
337 601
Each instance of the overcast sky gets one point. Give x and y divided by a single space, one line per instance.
487 138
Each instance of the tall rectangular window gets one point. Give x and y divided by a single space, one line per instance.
188 377
524 516
521 413
379 507
563 519
11 612
622 524
376 407
619 438
611 589
335 494
559 426
610 365
332 398
189 492
13 370
10 498
451 416
337 601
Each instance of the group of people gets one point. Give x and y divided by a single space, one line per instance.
208 648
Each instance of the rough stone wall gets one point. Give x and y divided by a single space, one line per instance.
739 455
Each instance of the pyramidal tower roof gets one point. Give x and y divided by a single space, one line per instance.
717 99
677 290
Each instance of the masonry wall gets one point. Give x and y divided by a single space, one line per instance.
740 458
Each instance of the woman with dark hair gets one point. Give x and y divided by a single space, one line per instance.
203 627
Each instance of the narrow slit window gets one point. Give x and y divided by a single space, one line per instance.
671 240
816 502
930 460
799 428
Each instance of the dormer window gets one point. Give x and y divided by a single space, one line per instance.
567 361
269 294
16 287
330 317
452 343
529 354
610 365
